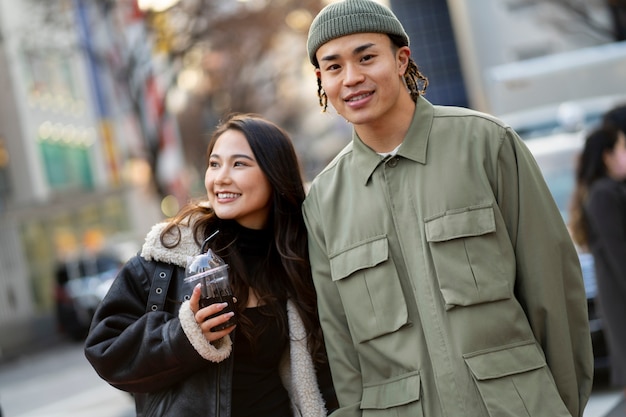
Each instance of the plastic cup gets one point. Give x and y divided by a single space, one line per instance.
215 288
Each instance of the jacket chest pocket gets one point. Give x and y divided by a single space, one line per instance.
467 257
370 289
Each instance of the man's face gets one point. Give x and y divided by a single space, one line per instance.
362 75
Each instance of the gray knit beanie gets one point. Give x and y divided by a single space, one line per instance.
352 16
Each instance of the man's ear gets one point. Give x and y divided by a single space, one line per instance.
403 54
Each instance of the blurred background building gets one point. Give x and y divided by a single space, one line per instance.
71 166
105 106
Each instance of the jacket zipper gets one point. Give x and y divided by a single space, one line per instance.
217 396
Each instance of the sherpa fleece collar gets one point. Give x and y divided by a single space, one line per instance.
153 249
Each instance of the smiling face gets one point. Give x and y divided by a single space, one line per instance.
236 186
362 75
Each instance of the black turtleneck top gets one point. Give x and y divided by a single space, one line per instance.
257 387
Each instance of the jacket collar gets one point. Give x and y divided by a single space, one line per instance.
413 146
153 249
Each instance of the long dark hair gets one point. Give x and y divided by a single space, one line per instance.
289 274
616 117
590 168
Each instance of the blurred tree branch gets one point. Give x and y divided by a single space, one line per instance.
235 46
580 13
618 15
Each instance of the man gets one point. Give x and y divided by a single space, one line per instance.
447 282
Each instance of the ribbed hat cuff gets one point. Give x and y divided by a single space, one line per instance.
349 17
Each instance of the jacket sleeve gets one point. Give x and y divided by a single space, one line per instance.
346 373
549 282
137 351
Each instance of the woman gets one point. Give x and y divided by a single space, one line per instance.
599 224
169 358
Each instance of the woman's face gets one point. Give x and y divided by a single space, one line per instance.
236 186
615 160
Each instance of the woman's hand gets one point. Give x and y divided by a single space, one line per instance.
201 315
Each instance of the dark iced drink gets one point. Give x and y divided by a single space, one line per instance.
205 302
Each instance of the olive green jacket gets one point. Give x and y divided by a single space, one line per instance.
447 281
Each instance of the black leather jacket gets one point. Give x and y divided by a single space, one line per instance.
137 343
149 355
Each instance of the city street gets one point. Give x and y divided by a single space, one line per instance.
60 382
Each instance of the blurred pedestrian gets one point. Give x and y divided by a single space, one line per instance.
170 359
598 222
447 282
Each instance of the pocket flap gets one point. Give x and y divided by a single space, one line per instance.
472 221
392 393
508 361
364 255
